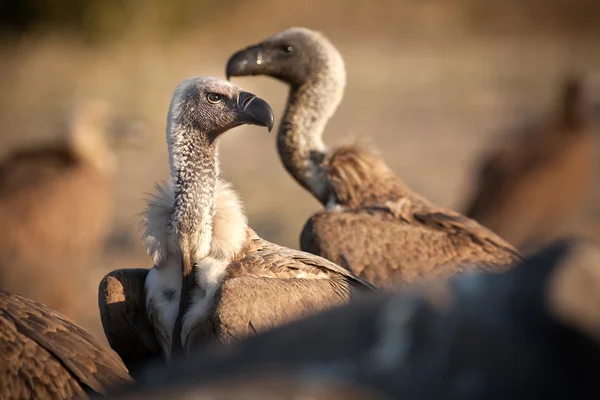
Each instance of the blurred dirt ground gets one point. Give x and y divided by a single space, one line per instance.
431 84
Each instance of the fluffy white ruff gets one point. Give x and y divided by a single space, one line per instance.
229 224
163 283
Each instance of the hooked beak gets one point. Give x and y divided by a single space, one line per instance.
243 62
254 110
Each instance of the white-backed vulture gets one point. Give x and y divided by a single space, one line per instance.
213 278
373 224
534 187
43 355
519 335
56 206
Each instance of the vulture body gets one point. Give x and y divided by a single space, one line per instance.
535 186
56 208
214 279
516 335
43 355
372 224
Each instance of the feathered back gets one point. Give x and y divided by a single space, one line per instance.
360 177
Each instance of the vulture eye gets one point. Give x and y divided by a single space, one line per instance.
214 98
286 49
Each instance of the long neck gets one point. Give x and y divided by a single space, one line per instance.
300 137
194 170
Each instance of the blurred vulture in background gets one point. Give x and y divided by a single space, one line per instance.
43 355
536 186
373 224
56 205
533 332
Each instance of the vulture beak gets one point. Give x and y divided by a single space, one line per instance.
254 110
244 62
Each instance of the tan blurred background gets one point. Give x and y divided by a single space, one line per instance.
431 83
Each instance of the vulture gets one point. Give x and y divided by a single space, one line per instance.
43 355
372 224
214 280
532 332
534 187
56 205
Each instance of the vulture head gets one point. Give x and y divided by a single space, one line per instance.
295 56
211 106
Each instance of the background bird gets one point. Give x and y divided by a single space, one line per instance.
236 284
43 355
56 205
537 185
373 224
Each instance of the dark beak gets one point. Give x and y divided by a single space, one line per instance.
244 62
254 110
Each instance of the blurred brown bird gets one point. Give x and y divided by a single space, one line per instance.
56 206
43 355
373 224
535 186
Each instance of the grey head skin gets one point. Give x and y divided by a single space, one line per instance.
315 71
201 110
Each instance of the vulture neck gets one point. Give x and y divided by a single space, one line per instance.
194 170
300 137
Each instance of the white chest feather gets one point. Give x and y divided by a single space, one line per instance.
163 289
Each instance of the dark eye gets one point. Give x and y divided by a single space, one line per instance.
286 49
214 98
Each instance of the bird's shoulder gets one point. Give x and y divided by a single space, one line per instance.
399 231
266 259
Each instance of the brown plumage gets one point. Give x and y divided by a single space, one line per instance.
372 223
43 355
56 206
270 285
386 233
240 284
534 187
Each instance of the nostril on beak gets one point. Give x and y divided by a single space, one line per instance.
244 100
247 102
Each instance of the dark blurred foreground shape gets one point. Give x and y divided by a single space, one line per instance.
44 355
538 184
56 205
532 332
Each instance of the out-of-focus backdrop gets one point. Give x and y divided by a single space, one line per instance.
431 84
